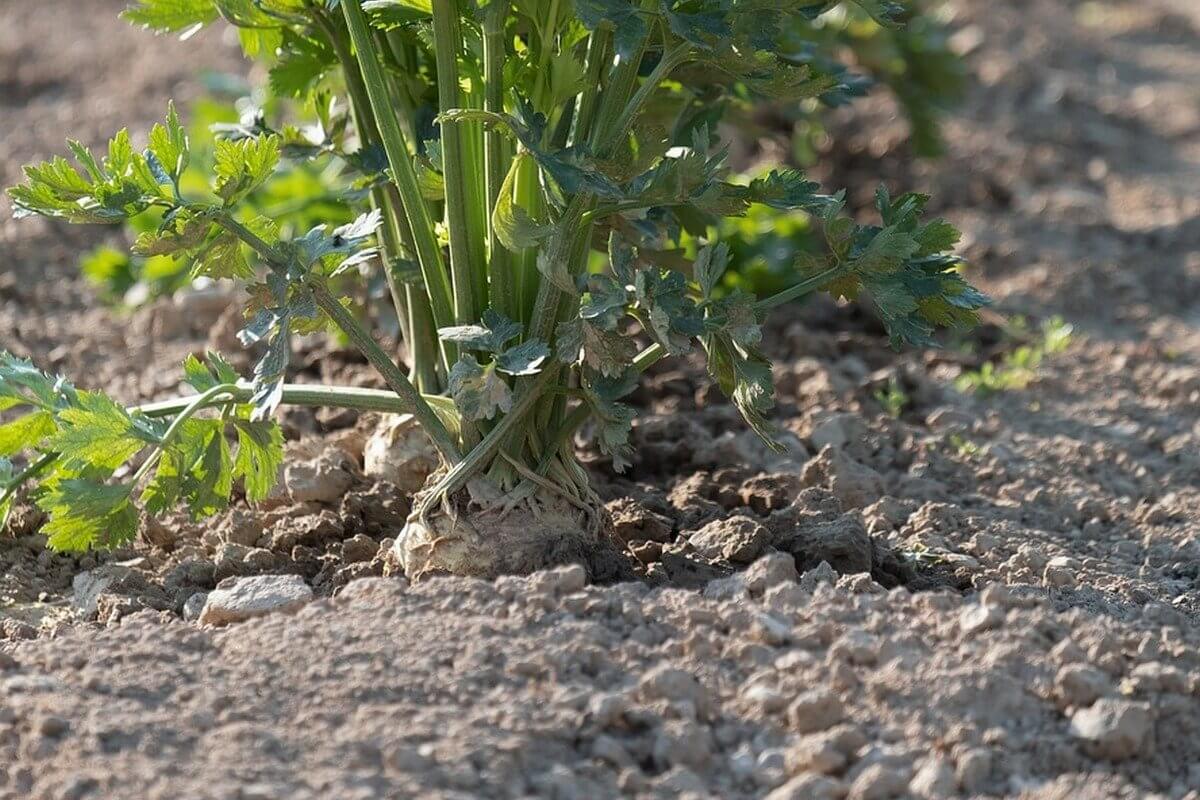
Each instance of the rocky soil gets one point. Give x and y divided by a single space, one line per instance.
986 595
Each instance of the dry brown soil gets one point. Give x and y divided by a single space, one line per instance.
1018 609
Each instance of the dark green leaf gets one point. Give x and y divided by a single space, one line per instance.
478 391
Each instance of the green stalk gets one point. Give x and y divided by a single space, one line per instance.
466 259
387 198
598 58
802 288
392 375
428 251
503 291
383 401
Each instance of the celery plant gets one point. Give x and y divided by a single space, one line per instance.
527 169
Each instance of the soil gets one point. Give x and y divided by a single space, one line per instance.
988 595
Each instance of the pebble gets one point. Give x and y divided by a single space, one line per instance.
815 710
978 617
1081 684
1114 729
769 571
934 780
809 786
194 606
674 685
682 743
878 782
973 767
256 596
738 539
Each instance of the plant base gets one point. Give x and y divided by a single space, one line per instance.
481 533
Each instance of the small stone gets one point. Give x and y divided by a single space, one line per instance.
606 748
400 452
771 570
843 542
241 527
770 768
978 617
855 485
322 480
1113 729
738 539
838 430
809 786
822 573
973 768
785 598
359 548
681 781
879 782
817 754
770 630
632 521
765 698
856 647
1081 684
681 743
1059 573
815 710
934 780
194 605
674 685
255 596
52 726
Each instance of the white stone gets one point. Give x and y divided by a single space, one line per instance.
255 596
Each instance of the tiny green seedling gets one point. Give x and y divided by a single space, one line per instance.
893 399
1019 367
526 174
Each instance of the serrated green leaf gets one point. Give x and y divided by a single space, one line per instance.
604 303
85 515
98 432
223 258
169 144
936 237
259 457
711 263
744 375
25 432
242 166
524 359
607 352
672 317
886 252
496 331
171 16
478 391
613 419
21 383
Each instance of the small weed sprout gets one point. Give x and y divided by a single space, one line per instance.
1019 367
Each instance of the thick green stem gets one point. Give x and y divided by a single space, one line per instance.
466 257
428 251
392 375
502 288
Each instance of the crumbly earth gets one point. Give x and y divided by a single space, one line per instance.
990 595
